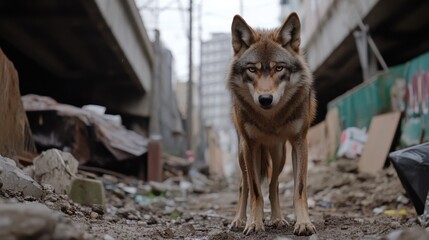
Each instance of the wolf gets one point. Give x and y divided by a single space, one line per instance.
272 102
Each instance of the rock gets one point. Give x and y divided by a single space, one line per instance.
94 215
168 233
158 188
152 220
88 192
313 237
34 221
187 229
67 208
395 225
65 231
48 188
218 234
407 234
402 199
14 179
98 209
311 203
56 168
108 237
129 213
110 179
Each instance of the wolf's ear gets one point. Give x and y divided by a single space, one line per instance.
290 32
242 34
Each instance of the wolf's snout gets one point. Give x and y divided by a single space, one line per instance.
265 100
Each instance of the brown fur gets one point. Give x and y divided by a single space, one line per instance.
272 102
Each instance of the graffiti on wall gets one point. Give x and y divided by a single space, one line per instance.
416 98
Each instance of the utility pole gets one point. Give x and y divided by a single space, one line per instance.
202 140
190 88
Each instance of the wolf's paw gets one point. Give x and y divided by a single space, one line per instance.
254 226
237 223
279 223
304 229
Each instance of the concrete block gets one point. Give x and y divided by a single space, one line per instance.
56 168
14 179
88 192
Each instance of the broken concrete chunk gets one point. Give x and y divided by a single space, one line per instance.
56 168
14 179
34 221
88 192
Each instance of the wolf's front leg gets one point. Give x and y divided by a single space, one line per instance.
278 157
240 217
252 159
303 225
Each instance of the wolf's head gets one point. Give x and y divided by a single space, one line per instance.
267 67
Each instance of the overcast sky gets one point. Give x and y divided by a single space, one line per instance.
216 17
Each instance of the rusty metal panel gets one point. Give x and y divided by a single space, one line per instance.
15 134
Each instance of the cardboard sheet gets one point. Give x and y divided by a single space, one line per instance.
380 138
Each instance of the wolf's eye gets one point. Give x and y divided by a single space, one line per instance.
279 68
251 69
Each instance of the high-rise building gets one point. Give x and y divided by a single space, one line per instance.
216 100
215 58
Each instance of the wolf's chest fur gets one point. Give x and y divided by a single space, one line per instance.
270 127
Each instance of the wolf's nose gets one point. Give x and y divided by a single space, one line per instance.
265 100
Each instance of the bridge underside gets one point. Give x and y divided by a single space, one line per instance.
66 49
400 31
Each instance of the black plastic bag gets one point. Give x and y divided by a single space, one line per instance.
412 166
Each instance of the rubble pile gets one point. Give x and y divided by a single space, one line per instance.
340 187
124 201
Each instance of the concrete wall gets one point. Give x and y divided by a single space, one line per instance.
171 125
332 27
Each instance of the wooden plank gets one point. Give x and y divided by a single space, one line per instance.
380 138
317 144
333 129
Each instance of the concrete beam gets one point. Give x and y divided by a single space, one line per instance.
340 20
124 21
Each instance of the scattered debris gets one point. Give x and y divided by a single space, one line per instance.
175 166
81 131
14 179
352 142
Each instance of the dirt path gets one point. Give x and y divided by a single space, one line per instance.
344 205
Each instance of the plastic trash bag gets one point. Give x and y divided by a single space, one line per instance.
412 167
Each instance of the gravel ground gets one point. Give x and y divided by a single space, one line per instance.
343 205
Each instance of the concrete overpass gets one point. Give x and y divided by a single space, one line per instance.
80 51
399 29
